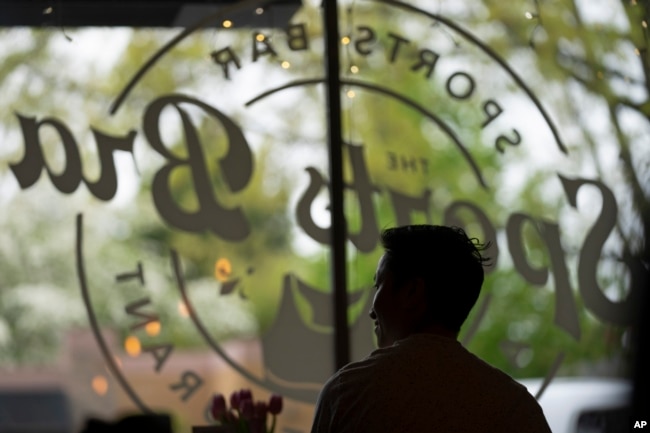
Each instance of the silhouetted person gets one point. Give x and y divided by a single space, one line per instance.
421 379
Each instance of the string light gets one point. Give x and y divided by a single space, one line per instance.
152 328
349 60
285 64
132 346
222 269
260 37
226 24
259 11
534 15
49 11
99 384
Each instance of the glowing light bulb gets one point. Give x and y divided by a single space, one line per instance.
99 384
345 40
227 24
152 328
132 346
222 269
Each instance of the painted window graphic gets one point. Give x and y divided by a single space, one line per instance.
165 195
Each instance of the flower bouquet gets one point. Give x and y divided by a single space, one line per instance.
244 414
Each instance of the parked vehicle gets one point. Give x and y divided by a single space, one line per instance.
41 410
585 404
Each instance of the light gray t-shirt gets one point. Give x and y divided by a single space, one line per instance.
425 383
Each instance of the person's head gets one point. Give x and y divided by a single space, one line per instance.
429 276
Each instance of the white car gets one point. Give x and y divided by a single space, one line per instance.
585 404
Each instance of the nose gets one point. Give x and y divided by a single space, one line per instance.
373 315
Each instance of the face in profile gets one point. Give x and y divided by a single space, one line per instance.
386 307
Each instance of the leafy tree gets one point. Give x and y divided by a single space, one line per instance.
571 57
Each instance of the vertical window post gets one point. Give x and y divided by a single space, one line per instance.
335 145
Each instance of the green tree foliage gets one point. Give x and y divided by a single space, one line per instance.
590 72
592 67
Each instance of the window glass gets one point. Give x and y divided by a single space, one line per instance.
165 209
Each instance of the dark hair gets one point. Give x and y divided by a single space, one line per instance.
449 262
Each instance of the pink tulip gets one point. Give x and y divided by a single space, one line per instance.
235 397
275 404
260 410
245 394
246 408
218 407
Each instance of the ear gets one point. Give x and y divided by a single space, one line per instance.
415 299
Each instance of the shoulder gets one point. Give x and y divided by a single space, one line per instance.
343 375
527 416
358 372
